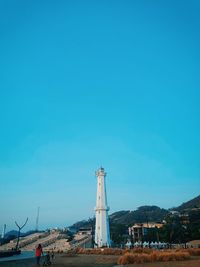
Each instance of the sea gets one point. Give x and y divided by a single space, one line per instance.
22 256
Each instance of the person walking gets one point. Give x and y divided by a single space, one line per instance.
52 255
38 254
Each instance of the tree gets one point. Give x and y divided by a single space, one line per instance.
118 233
174 231
19 230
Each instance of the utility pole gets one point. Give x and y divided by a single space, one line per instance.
147 234
3 232
37 219
132 239
92 221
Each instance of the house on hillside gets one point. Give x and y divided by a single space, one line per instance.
183 216
85 231
139 230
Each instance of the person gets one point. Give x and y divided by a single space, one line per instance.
47 259
38 254
52 255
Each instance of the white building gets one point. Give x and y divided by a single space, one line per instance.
139 230
102 231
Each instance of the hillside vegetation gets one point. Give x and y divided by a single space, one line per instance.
175 229
189 205
142 214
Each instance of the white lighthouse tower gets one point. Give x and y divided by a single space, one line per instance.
102 230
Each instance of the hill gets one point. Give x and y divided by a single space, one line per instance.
142 214
124 217
189 205
187 223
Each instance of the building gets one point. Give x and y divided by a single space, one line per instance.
85 231
102 230
139 230
183 216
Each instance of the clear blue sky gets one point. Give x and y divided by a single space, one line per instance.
90 83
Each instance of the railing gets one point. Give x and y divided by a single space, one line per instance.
78 243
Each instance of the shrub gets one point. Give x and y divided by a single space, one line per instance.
129 258
154 256
191 251
173 256
194 251
101 251
141 250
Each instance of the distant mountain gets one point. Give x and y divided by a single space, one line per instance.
14 233
81 224
189 205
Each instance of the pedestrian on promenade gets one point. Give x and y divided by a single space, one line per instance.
38 254
52 255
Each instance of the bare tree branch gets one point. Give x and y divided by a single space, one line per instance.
19 229
25 223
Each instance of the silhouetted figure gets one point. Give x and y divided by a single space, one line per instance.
38 254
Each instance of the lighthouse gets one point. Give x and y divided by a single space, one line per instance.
102 230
